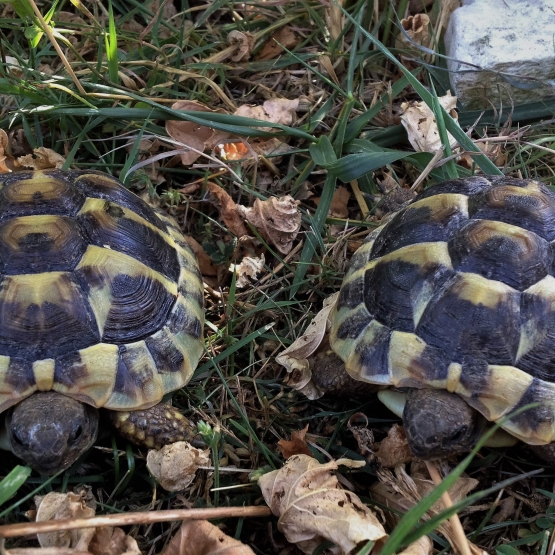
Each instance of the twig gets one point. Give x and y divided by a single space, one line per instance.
55 44
458 532
26 528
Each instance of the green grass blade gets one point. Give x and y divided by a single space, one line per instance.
111 40
12 482
487 166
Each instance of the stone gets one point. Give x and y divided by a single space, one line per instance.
502 52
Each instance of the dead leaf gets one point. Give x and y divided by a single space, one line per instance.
312 507
295 358
6 161
278 110
247 269
196 137
338 207
277 219
394 449
228 209
244 43
175 465
421 126
41 159
284 37
113 541
401 491
62 506
205 263
422 546
200 537
296 445
416 28
424 484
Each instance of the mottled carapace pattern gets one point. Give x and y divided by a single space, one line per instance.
457 291
100 296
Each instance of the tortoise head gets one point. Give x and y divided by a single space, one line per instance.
50 431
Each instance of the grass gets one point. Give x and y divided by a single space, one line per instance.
104 104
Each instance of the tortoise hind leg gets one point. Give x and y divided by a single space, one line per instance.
154 427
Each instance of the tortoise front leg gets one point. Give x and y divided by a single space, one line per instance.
154 427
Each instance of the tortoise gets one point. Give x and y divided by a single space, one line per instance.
452 300
101 306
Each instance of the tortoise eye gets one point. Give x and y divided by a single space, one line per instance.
75 434
17 438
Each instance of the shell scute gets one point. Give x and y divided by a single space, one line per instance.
28 193
35 244
43 316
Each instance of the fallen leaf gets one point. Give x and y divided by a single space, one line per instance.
401 491
296 445
421 126
284 37
247 269
175 465
113 541
228 209
243 42
191 135
422 546
295 358
277 219
41 159
205 263
200 537
416 28
62 506
6 161
278 110
313 508
394 449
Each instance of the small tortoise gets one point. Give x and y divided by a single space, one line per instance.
454 299
101 305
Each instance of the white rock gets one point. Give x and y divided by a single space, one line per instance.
513 37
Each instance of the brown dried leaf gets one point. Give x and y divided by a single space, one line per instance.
296 445
421 126
228 209
113 541
200 537
283 37
417 30
312 507
295 358
175 465
422 546
338 206
394 449
41 159
244 43
278 110
205 263
193 135
247 269
60 506
424 484
6 161
277 219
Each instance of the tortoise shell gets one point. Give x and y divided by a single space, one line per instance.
457 292
100 295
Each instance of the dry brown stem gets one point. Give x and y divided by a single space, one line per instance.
26 528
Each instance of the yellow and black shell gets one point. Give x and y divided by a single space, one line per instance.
100 295
457 292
